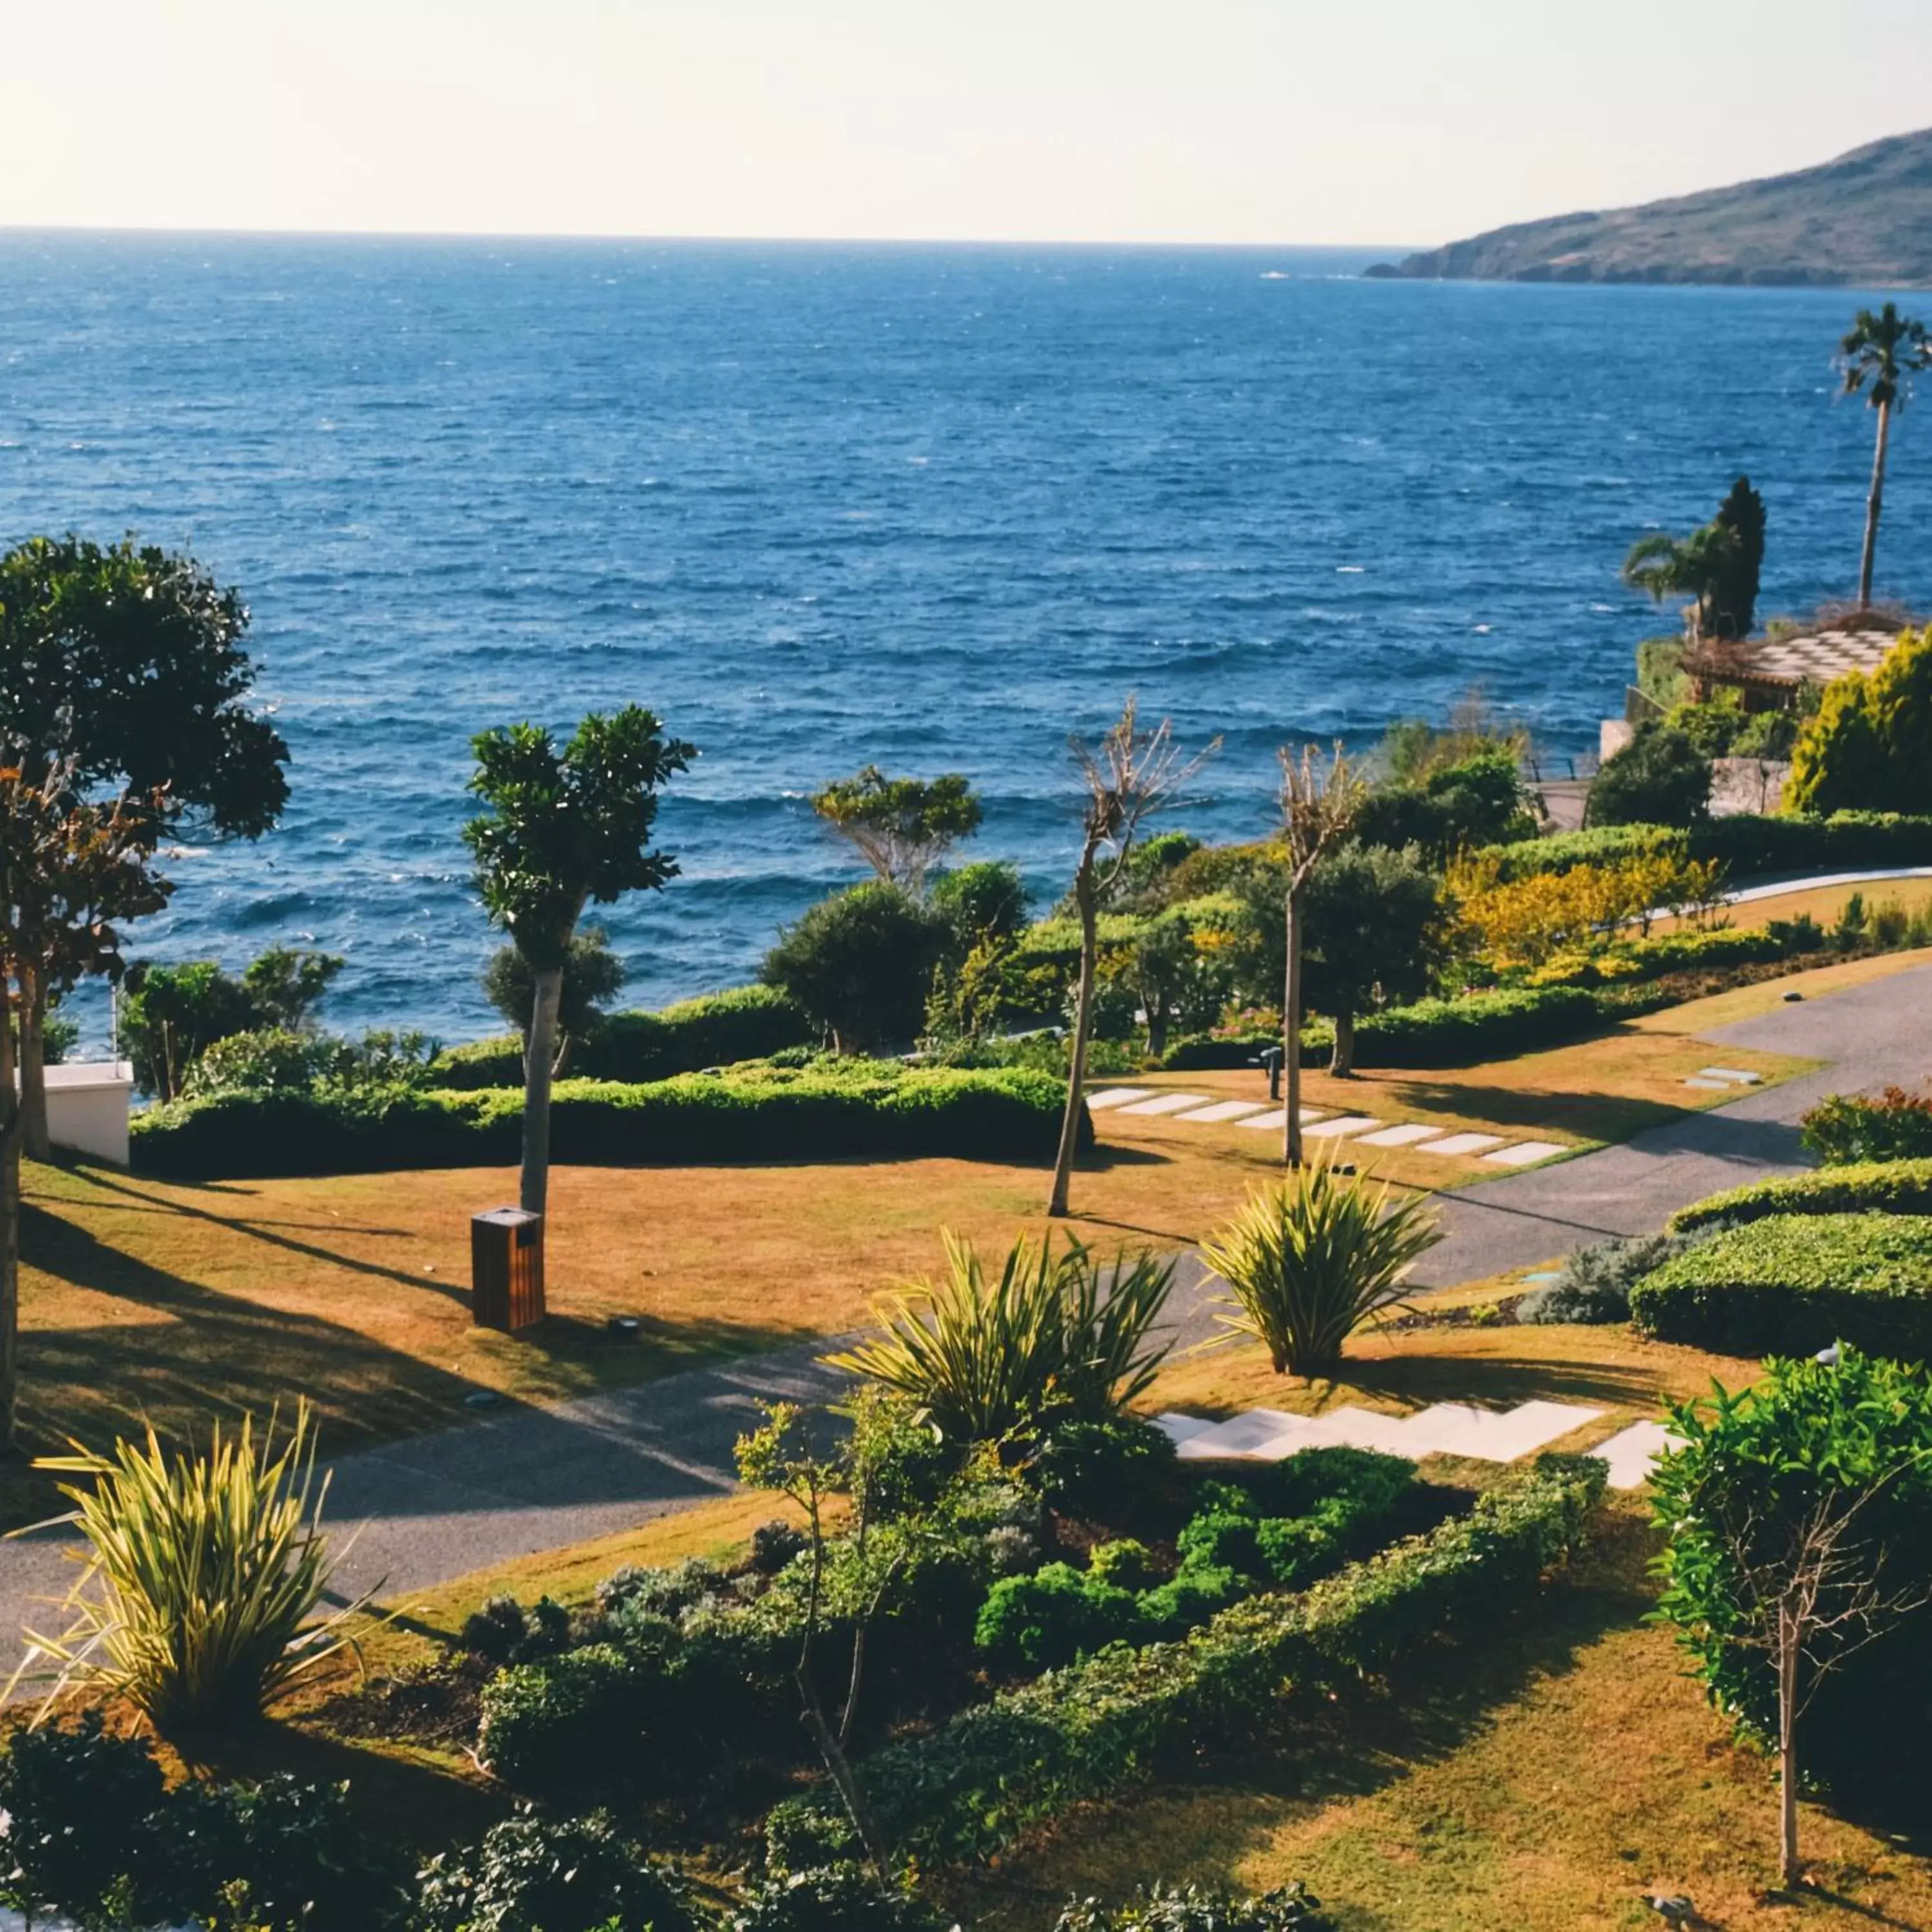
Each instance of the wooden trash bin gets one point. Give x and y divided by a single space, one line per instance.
506 1269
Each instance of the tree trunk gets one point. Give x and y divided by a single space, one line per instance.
33 1014
1156 1004
1789 1637
1872 502
1083 1019
539 1060
1291 1032
1342 1061
10 1232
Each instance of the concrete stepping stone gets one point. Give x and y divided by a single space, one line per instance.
1226 1110
1249 1434
1736 1075
1492 1435
1116 1096
1346 1123
1631 1452
1524 1152
1709 1086
1407 1134
1178 1428
1166 1103
1463 1144
1272 1121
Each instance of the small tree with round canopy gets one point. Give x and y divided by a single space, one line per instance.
559 830
902 827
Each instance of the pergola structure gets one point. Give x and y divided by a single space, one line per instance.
1770 671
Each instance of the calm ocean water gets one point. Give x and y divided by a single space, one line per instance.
931 507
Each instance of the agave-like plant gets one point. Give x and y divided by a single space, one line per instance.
1310 1259
1054 1332
200 1575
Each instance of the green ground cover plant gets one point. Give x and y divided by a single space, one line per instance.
874 1108
1793 1284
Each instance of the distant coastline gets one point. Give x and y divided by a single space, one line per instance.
1864 220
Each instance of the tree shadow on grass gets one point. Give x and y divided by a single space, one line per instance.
1320 1751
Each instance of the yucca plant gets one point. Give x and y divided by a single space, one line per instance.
1310 1259
1054 1333
199 1577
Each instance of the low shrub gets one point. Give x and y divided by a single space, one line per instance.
88 1829
561 1719
716 1029
993 1771
1291 1908
1476 1027
876 1109
531 1874
1747 843
1595 1283
841 1897
1883 1186
1790 1284
1846 1128
1086 1468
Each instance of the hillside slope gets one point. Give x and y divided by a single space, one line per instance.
1864 220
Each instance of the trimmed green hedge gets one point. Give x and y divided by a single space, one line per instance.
1792 1284
1746 844
1883 1186
747 1023
876 1110
974 1786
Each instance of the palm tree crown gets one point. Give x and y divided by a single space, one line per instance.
1880 353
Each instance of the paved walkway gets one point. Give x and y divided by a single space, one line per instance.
440 1506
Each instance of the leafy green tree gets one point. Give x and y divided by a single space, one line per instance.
127 662
171 1016
1878 356
1376 927
861 964
592 975
560 828
1659 778
902 827
1868 746
988 900
1479 800
1799 1515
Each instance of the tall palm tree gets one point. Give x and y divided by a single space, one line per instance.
1879 355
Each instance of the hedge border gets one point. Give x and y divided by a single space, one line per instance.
1884 1186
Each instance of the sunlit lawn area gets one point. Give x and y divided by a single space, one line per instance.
143 1297
1825 904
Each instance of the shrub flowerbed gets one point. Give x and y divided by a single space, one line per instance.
992 1772
1746 844
874 1109
1792 1284
1847 1128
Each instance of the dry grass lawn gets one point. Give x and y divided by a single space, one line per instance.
145 1298
1825 904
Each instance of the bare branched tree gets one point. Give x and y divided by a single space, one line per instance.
1131 775
1321 799
1811 1592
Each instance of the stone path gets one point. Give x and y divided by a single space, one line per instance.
1200 1109
1442 1428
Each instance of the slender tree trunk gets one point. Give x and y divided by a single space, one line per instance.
1156 1004
33 1012
1872 503
1291 1031
1342 1061
539 1059
1083 1020
1788 1647
10 1231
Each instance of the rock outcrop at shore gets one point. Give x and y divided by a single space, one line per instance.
1863 221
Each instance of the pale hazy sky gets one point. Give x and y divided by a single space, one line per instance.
1115 120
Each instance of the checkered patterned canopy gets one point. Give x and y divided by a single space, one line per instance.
1815 656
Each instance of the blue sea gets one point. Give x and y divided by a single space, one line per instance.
931 507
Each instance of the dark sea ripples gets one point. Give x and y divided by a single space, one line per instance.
929 507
